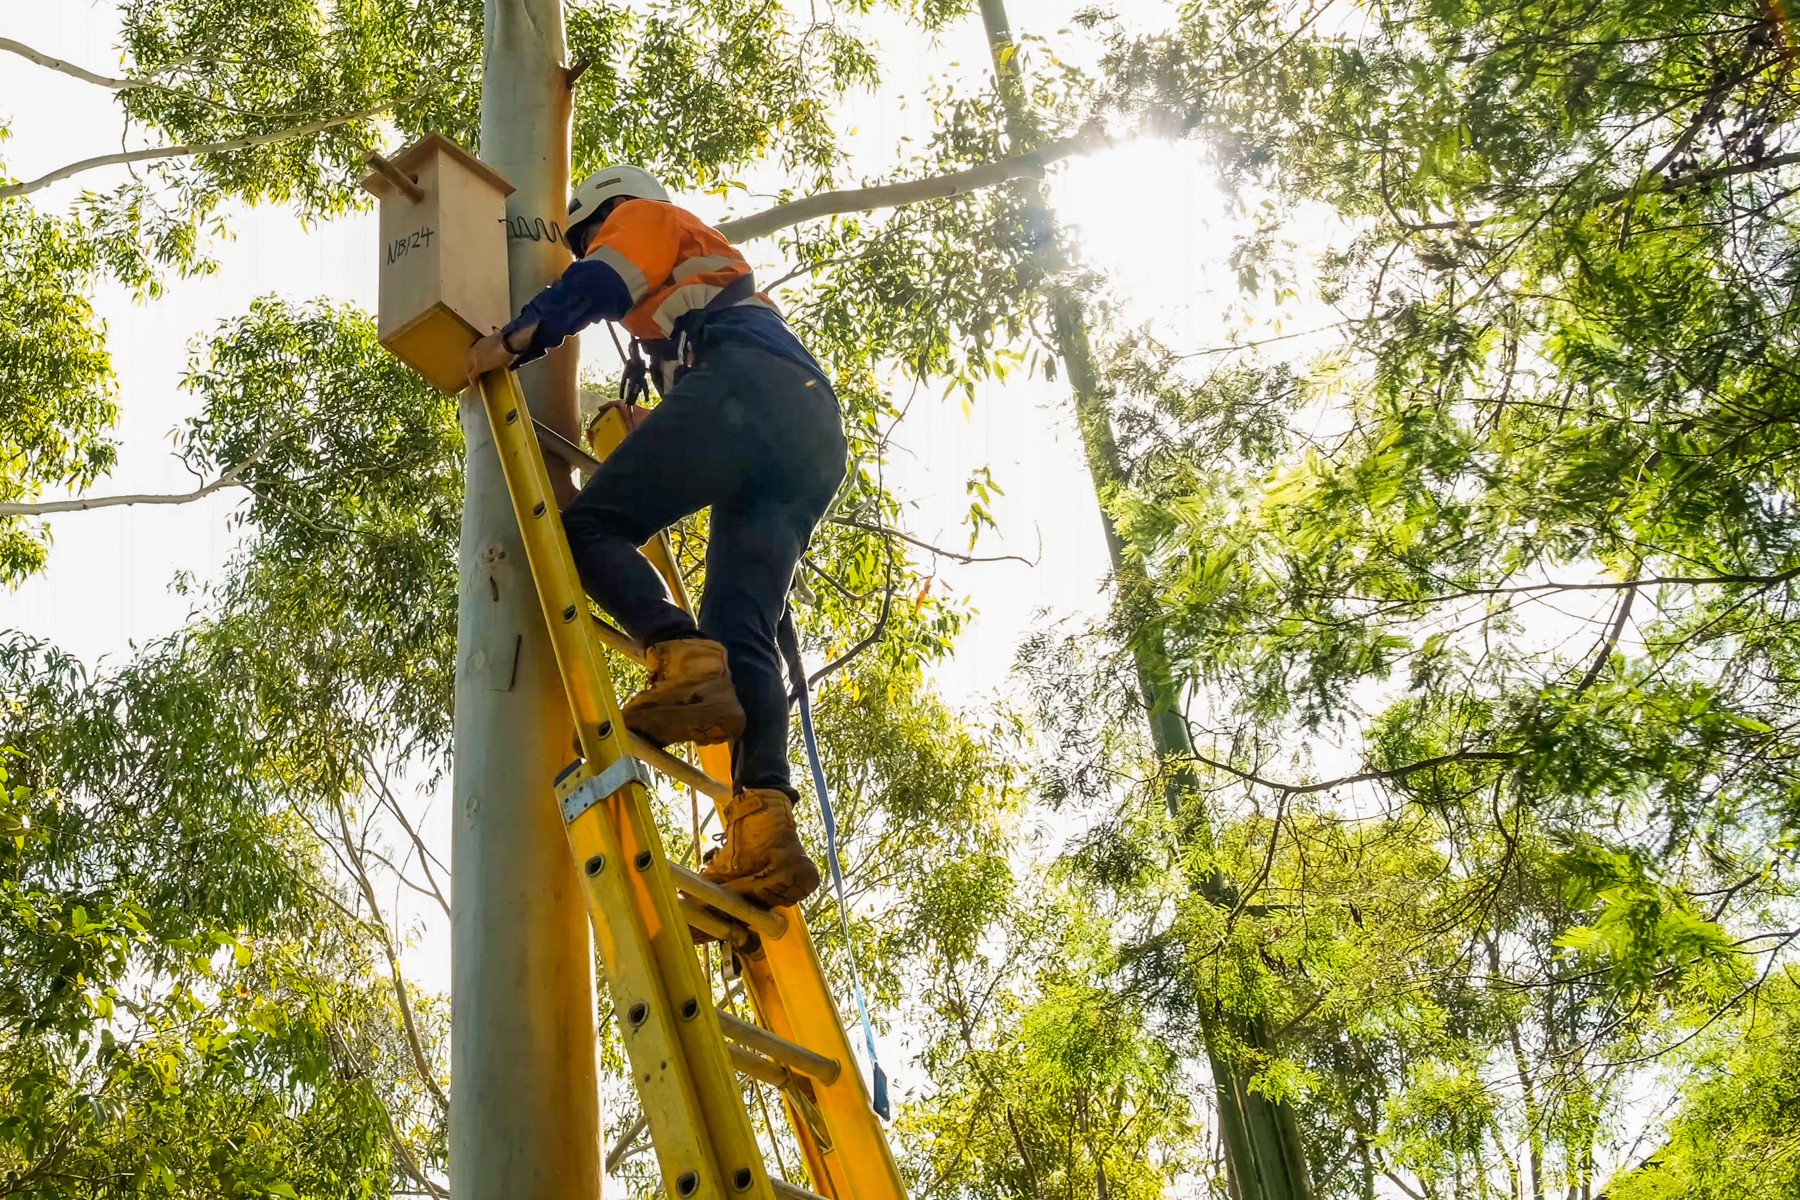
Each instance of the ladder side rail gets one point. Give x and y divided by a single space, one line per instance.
653 1052
826 1169
696 1096
791 971
788 989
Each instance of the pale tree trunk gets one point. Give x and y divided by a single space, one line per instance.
524 1120
1263 1154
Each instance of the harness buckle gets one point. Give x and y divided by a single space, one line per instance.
634 381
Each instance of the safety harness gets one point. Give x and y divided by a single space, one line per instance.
672 357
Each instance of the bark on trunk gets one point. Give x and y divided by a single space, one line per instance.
524 1115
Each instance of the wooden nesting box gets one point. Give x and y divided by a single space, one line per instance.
443 255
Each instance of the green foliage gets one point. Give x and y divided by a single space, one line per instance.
944 290
230 70
177 1015
926 809
1036 1076
190 1008
346 596
1488 608
1733 1137
694 89
1643 928
56 382
690 88
1050 1081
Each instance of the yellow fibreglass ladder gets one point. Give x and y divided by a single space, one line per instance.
685 1054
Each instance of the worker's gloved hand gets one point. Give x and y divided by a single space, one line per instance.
492 352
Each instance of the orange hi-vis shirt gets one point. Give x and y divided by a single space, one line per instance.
654 267
671 262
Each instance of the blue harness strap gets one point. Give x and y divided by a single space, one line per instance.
790 649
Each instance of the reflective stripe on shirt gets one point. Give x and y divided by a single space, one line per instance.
677 263
704 264
628 271
681 301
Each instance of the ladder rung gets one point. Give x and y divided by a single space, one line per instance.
563 448
768 1071
780 1050
651 753
675 769
618 639
769 924
722 928
791 1191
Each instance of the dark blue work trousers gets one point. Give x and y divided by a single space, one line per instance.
759 439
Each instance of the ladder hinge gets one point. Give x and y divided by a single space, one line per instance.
596 788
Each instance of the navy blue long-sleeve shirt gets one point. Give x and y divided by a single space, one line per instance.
641 241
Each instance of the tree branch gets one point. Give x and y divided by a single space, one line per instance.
68 68
1603 585
1701 178
1305 789
1643 187
837 584
1401 1184
426 857
380 924
59 506
191 150
408 1163
853 523
627 1146
1610 641
229 479
887 608
1281 337
894 195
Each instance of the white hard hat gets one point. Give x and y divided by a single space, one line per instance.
608 183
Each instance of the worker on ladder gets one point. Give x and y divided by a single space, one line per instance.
748 426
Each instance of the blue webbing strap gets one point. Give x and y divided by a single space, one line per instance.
790 648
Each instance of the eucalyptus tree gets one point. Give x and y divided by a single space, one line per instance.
1484 612
197 998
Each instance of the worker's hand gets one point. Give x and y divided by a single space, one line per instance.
488 354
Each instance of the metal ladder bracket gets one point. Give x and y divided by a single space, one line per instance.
596 788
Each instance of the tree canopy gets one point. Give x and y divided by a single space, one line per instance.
1471 595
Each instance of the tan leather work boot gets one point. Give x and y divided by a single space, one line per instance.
689 697
762 857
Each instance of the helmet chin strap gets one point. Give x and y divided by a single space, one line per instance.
575 238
